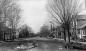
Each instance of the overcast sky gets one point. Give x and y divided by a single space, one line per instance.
34 13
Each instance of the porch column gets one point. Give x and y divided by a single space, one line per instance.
80 34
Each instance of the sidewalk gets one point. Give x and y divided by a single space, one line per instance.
36 39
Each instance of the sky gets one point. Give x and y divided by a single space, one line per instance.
83 7
34 13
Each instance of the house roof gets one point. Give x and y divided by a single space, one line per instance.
81 24
81 17
81 21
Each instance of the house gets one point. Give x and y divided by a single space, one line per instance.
81 25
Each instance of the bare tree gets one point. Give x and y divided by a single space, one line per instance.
64 12
25 31
9 15
4 5
44 31
13 16
10 12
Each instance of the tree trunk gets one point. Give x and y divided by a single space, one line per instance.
69 34
64 35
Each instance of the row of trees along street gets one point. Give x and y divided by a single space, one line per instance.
9 18
26 32
44 32
63 13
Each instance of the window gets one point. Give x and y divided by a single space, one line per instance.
78 31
